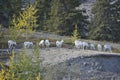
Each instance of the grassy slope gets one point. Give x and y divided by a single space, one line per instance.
37 36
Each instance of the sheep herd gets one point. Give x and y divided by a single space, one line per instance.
77 43
84 45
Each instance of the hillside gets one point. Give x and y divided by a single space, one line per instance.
75 64
97 67
87 5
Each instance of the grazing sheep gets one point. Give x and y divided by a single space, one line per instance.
85 45
99 47
59 43
41 43
107 47
92 46
78 44
28 44
47 43
11 44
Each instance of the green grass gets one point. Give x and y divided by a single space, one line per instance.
116 50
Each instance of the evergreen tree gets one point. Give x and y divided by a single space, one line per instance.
104 25
7 9
75 34
78 18
26 22
115 20
55 20
64 16
43 11
71 17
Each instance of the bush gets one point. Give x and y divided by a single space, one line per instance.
75 35
25 67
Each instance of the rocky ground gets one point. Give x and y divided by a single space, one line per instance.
99 67
73 64
76 64
55 55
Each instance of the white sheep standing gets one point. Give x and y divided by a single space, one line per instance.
47 43
41 43
59 43
107 47
78 44
99 47
28 44
11 43
92 46
85 45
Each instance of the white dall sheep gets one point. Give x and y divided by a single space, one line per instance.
11 44
28 44
99 47
47 43
78 44
107 47
41 43
92 46
59 43
85 45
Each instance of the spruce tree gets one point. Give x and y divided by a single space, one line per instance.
75 34
43 11
115 19
55 20
65 16
104 25
71 16
7 9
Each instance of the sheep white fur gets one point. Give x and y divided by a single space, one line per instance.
28 44
78 44
47 43
107 47
11 43
85 45
41 43
99 47
92 46
59 43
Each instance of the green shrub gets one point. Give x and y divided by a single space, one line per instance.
25 67
75 34
116 50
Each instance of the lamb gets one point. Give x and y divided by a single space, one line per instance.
11 44
28 44
59 43
92 46
41 43
99 47
107 47
47 43
78 44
